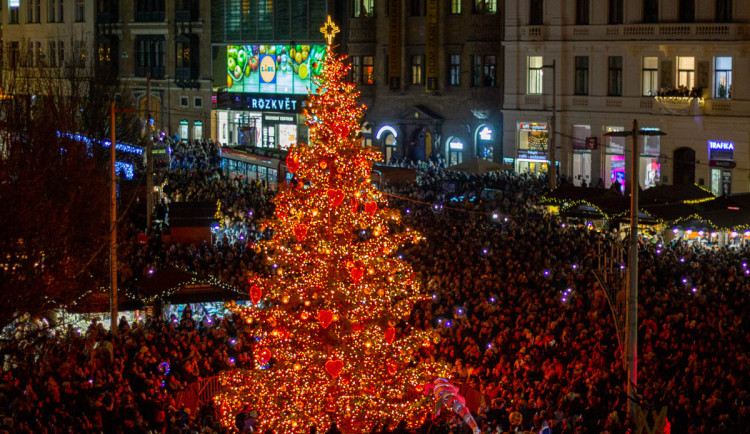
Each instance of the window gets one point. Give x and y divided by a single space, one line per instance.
687 11
13 16
79 51
723 11
52 10
187 66
615 12
455 6
80 11
723 77
60 10
151 10
61 53
490 71
14 54
484 70
454 69
183 101
476 71
30 55
198 101
536 12
197 130
650 11
149 56
650 76
485 6
686 72
417 8
52 54
356 69
368 70
364 8
39 60
33 11
582 75
416 69
534 85
582 12
615 76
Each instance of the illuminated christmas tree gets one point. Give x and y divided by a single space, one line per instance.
331 340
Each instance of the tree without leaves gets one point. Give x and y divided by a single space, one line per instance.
54 190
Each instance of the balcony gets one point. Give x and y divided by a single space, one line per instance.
670 31
149 16
155 71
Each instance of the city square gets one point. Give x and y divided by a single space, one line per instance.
424 216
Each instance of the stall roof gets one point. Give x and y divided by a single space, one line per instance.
178 286
680 193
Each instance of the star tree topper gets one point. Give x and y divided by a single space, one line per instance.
329 30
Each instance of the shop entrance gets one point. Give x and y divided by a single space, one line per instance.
684 166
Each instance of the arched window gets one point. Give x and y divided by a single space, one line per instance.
455 151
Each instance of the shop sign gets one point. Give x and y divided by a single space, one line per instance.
532 154
533 127
276 104
721 150
485 134
722 163
279 118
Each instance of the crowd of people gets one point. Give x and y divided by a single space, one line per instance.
522 318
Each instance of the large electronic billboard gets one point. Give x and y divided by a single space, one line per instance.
278 69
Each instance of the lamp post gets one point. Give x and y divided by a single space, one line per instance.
552 170
631 312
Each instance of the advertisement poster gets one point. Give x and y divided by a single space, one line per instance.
274 69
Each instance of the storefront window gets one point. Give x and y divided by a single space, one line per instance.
455 151
533 140
614 159
649 165
184 129
484 142
198 130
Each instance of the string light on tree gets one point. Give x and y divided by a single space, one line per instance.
331 341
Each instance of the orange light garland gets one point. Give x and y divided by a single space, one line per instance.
331 307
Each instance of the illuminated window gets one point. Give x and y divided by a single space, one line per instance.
485 6
686 72
455 6
455 69
416 69
534 85
722 77
364 8
368 70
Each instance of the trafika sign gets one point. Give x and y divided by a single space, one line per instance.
716 145
267 68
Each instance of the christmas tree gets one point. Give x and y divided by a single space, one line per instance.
332 343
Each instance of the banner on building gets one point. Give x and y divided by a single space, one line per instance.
432 47
394 44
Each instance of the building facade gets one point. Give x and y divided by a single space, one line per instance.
679 67
167 41
264 57
168 44
429 73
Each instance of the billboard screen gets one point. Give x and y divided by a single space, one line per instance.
274 69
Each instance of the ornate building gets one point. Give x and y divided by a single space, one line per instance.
677 66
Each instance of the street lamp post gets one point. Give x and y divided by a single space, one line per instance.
552 170
631 312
